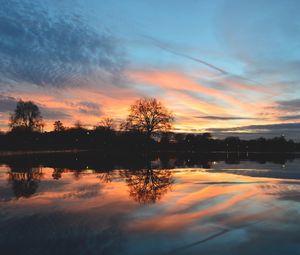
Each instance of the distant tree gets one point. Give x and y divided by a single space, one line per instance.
190 138
232 143
207 136
78 125
232 140
148 115
166 137
106 123
26 116
58 126
179 137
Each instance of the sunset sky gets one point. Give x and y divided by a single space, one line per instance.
230 67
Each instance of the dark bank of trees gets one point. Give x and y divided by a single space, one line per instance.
147 127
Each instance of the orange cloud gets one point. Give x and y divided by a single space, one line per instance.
180 92
176 81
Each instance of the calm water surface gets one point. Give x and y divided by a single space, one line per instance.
219 207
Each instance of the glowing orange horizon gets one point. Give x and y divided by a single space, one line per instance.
182 94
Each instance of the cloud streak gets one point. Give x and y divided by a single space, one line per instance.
290 117
166 47
211 117
290 130
8 105
289 105
172 80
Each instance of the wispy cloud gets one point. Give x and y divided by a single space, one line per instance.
292 105
274 27
172 49
8 105
290 130
269 127
173 80
290 117
211 117
53 49
167 47
87 107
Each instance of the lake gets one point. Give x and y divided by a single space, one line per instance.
85 203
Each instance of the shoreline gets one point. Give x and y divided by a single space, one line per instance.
16 153
39 152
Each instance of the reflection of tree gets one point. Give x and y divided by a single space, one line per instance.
148 185
57 173
106 177
77 174
25 183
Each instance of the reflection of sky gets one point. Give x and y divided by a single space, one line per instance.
203 212
216 64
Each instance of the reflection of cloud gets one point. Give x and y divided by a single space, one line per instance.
84 192
52 49
200 209
285 190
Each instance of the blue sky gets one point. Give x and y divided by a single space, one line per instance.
226 66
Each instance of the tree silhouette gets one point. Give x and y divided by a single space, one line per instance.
78 125
148 115
108 123
26 116
58 126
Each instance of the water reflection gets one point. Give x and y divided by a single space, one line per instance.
25 182
190 204
57 172
147 176
148 185
145 185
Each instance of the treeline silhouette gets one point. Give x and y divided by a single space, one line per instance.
98 161
146 128
123 141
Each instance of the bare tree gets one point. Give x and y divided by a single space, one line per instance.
58 126
78 124
148 115
26 116
107 123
